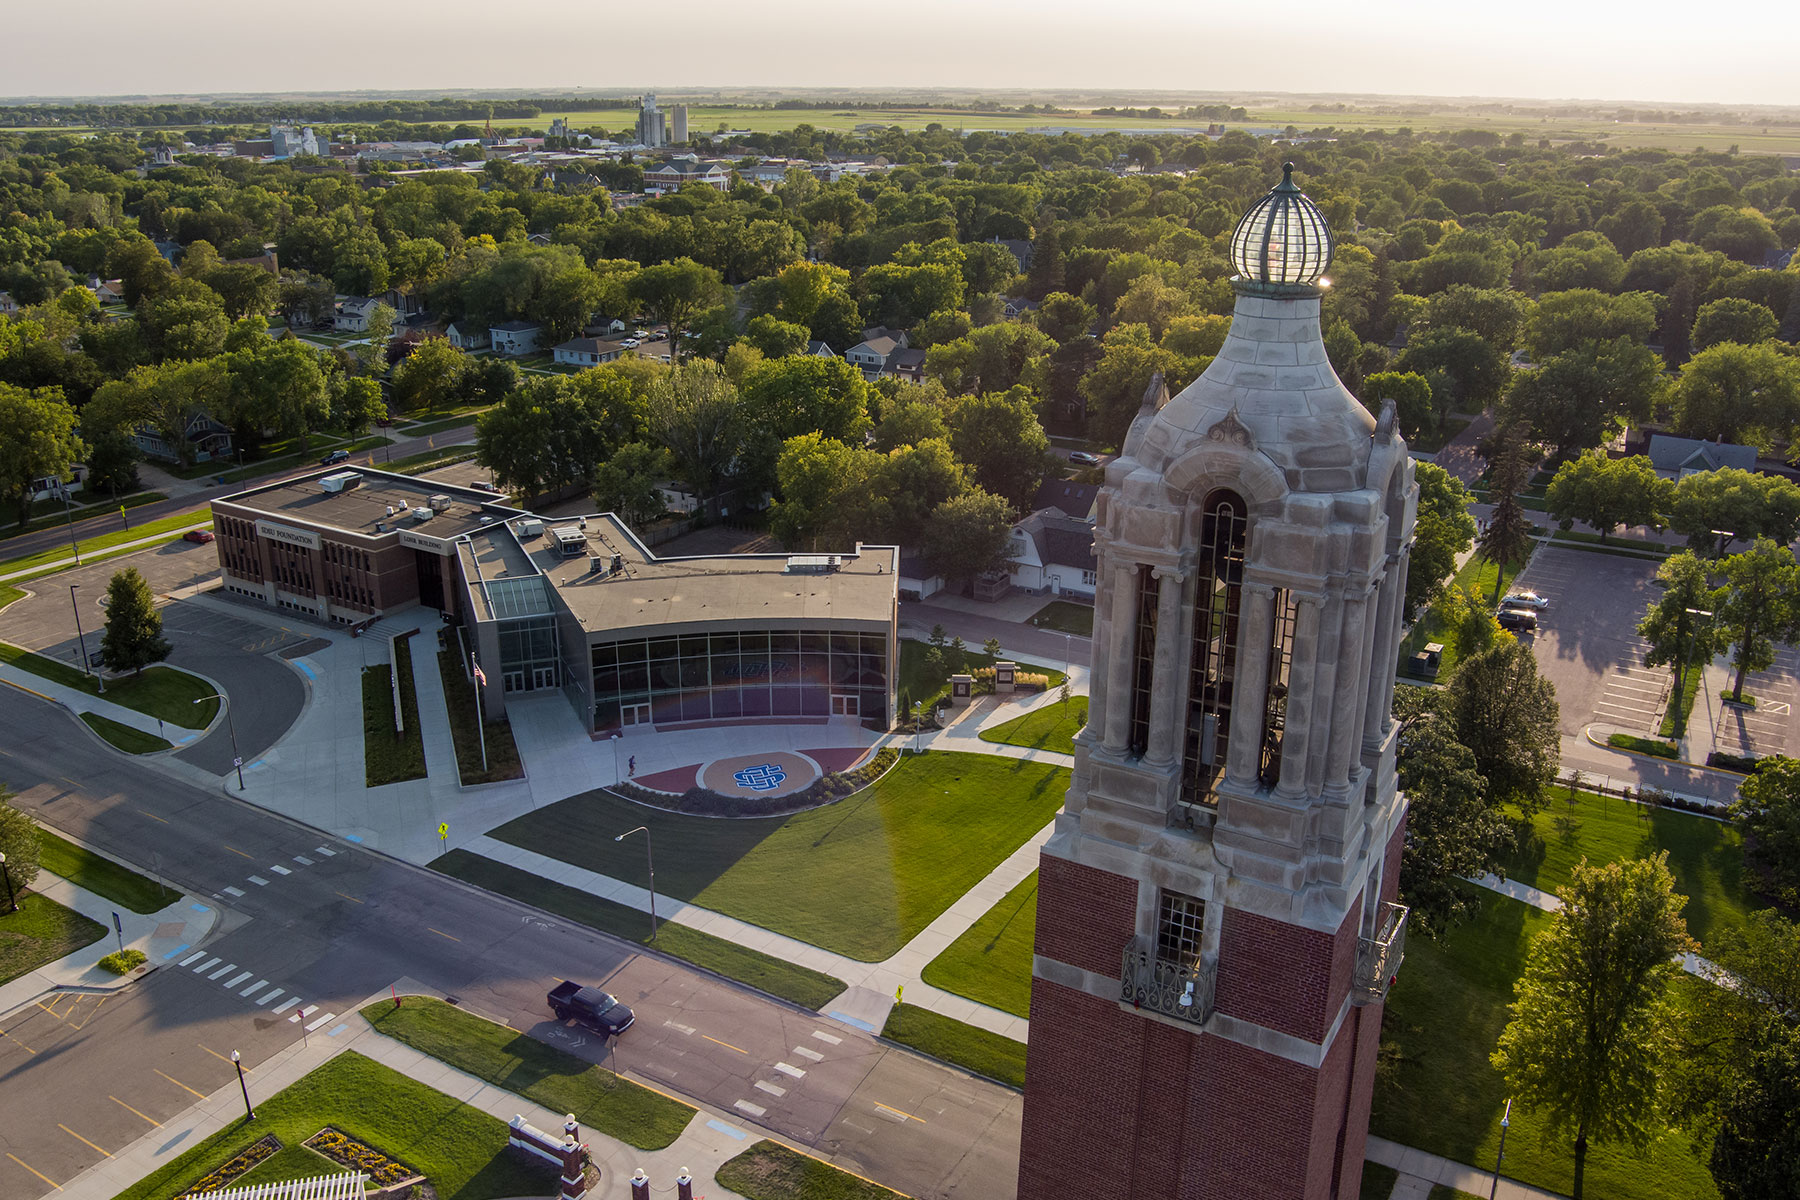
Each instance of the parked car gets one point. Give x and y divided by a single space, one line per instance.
590 1008
1084 458
1517 620
335 457
631 343
1525 600
202 536
482 485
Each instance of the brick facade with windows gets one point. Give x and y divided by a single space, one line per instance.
1102 914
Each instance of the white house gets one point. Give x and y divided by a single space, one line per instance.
917 580
353 313
467 337
870 356
586 352
8 306
515 337
818 349
1053 552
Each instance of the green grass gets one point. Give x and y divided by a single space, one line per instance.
34 563
860 877
1052 726
991 961
1581 538
502 752
1430 441
124 737
163 692
9 593
461 1150
807 988
769 1171
277 458
1065 616
602 1101
41 931
1654 747
1437 1091
1675 719
102 876
916 682
431 460
1705 856
1477 573
1731 697
1377 1180
50 512
426 427
977 1050
391 756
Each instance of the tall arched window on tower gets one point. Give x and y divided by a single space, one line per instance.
1143 666
1217 593
1281 661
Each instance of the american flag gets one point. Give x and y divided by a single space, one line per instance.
480 677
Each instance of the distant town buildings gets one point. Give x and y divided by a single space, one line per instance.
285 142
658 127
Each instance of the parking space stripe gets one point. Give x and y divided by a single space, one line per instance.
83 1140
128 1108
184 1087
34 1170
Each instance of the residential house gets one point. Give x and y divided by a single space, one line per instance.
871 354
8 306
267 260
515 337
209 439
110 291
1679 457
917 579
353 313
467 336
907 363
1019 248
1074 499
1014 307
586 352
602 326
1050 551
820 350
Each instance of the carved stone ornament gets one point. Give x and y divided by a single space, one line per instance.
1229 429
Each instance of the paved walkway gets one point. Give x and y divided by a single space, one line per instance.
1418 1168
201 521
77 701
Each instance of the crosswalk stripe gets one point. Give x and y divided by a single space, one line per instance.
755 1110
287 1004
309 1010
259 881
254 988
206 966
231 983
303 860
827 1037
234 891
190 958
280 870
223 971
788 1069
810 1054
770 1088
320 1021
326 851
271 996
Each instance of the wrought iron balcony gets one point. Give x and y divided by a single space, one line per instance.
1378 958
1180 990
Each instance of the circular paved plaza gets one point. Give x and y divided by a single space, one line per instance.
775 773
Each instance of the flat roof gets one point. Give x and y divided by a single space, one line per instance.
651 594
358 510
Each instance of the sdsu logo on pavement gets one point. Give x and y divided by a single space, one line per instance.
762 777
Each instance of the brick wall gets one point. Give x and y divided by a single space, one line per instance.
1085 915
1081 1095
1283 976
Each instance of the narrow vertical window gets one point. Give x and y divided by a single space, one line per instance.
1143 667
1180 928
1217 593
1281 662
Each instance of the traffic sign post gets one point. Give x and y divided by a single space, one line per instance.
119 929
444 835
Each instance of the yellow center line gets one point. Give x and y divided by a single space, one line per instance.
715 1041
77 787
15 1041
128 1108
442 934
351 899
151 815
219 1056
81 1139
34 1170
239 853
898 1113
184 1087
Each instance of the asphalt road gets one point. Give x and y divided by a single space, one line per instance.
333 924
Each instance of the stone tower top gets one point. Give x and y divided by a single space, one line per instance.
1284 243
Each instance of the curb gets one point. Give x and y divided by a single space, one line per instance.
1588 733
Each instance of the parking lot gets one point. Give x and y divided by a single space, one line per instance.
1768 728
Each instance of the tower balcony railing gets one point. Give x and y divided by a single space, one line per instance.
1180 990
1378 958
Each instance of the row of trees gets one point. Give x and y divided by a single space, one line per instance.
1713 509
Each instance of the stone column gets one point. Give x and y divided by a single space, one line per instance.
1387 627
1122 651
1167 686
1249 696
1347 694
1302 704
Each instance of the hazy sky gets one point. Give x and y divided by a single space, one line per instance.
1730 51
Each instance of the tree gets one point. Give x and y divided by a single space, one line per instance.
134 629
372 352
1759 603
1444 531
1581 398
786 397
1566 319
1756 1153
276 386
1733 393
1474 369
553 432
1065 317
1452 832
1507 539
999 436
429 377
967 534
355 405
1589 1036
829 492
777 338
1411 394
695 413
1768 813
1506 714
20 841
37 439
626 482
1046 273
1733 320
1678 625
674 292
1606 493
1745 505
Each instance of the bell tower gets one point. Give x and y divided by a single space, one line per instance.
1216 927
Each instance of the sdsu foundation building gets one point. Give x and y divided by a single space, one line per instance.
1216 925
577 604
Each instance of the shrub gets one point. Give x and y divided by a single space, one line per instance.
1641 745
707 803
123 962
1743 764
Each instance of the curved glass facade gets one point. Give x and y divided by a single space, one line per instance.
742 675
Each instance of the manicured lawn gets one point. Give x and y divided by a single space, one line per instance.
460 1150
1377 1181
508 1059
41 931
1430 441
459 697
1705 856
859 877
1477 573
1438 1092
916 684
991 961
278 457
974 1049
1675 719
48 513
163 692
391 756
431 460
124 737
57 553
1050 727
809 989
1064 616
769 1171
102 876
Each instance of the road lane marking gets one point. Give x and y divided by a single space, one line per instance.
302 860
128 1108
827 1037
240 853
15 1041
219 1056
184 1087
254 988
755 1110
351 899
190 958
904 1116
259 881
208 965
82 1140
442 934
151 815
807 1052
321 1021
687 1029
279 870
223 971
793 1071
271 997
326 851
34 1170
287 1004
233 983
715 1041
234 892
770 1088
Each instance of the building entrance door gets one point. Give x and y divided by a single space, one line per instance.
844 706
515 681
634 714
543 677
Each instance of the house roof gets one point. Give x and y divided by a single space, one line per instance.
1061 540
821 349
518 327
587 345
1066 496
906 360
881 347
1669 453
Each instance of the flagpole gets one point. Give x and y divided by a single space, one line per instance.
480 725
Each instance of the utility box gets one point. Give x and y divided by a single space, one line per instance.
962 689
1005 674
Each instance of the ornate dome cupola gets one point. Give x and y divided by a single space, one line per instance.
1284 243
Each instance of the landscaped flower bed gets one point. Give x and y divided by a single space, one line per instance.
252 1154
339 1147
705 802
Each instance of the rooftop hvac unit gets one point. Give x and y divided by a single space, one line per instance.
380 527
597 564
422 513
531 528
569 542
440 503
390 510
618 563
342 481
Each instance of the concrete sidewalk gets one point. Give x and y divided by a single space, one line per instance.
119 548
1434 1169
77 701
160 935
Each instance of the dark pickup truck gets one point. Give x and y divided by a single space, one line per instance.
590 1007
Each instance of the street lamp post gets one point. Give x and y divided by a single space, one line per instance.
615 745
69 516
81 639
237 760
249 1113
649 861
1505 1124
12 901
1724 536
918 722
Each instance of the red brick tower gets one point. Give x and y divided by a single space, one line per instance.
1216 929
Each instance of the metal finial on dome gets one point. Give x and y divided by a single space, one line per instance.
1284 240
